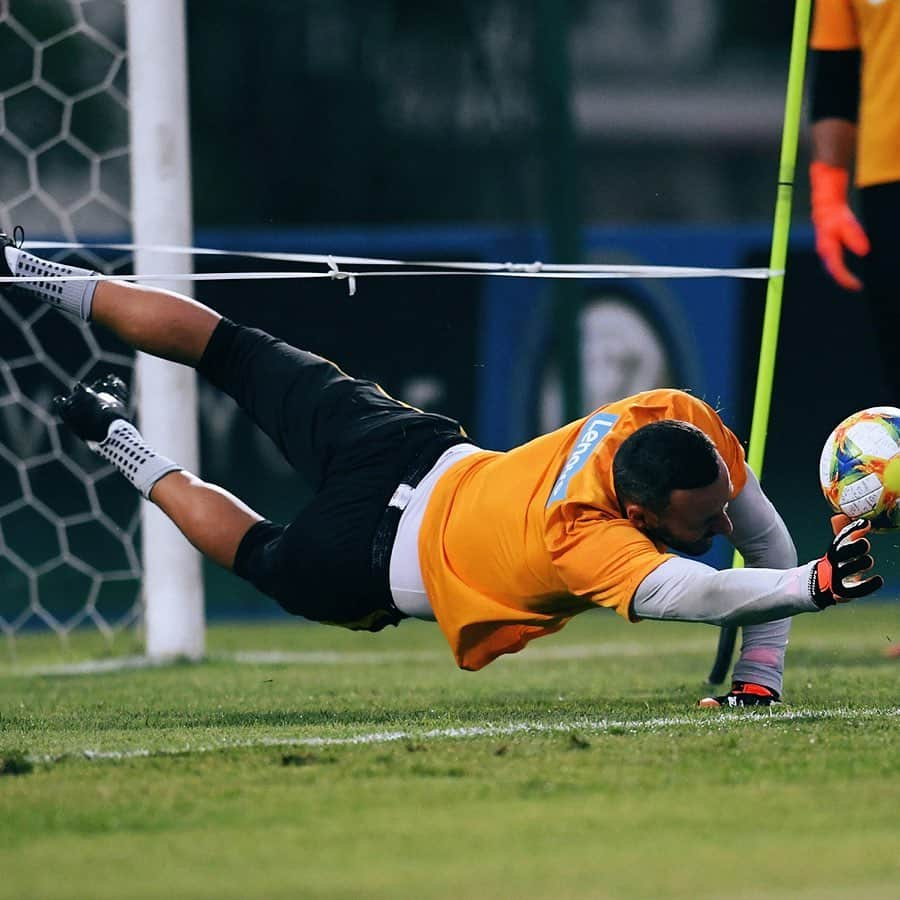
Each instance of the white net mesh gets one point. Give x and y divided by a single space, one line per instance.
67 529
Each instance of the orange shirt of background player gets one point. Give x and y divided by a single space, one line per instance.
875 29
514 544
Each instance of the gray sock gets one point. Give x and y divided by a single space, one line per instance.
72 297
127 450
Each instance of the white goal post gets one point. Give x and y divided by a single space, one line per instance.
166 392
93 146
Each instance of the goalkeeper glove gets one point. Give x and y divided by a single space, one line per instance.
835 225
742 693
831 579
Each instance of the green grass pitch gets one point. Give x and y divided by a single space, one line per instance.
369 766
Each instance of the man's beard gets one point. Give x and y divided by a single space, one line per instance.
693 548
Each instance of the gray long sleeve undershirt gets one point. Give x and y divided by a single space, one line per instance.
688 591
772 587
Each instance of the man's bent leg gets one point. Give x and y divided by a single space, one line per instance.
303 402
158 322
161 323
281 562
213 520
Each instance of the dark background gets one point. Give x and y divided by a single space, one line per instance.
628 131
397 112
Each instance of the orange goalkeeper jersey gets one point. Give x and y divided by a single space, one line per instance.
512 545
872 26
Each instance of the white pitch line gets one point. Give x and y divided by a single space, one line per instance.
708 720
96 666
535 653
368 657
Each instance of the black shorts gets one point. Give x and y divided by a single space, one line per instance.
353 444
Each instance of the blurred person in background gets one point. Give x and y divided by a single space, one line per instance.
855 111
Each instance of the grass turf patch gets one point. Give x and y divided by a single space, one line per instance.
578 768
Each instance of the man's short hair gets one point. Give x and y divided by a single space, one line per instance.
662 457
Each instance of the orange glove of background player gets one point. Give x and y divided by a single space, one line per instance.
836 226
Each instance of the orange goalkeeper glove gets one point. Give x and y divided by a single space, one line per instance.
835 225
832 578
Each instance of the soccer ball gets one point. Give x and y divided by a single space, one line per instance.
859 469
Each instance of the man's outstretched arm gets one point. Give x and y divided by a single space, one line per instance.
762 538
689 591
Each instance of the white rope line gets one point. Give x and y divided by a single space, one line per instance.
535 269
706 720
336 274
208 251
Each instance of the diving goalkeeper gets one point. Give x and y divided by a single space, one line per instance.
410 519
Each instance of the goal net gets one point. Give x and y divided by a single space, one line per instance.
70 549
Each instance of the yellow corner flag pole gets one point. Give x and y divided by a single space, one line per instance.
777 259
765 375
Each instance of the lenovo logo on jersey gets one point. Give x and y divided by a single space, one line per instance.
588 438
